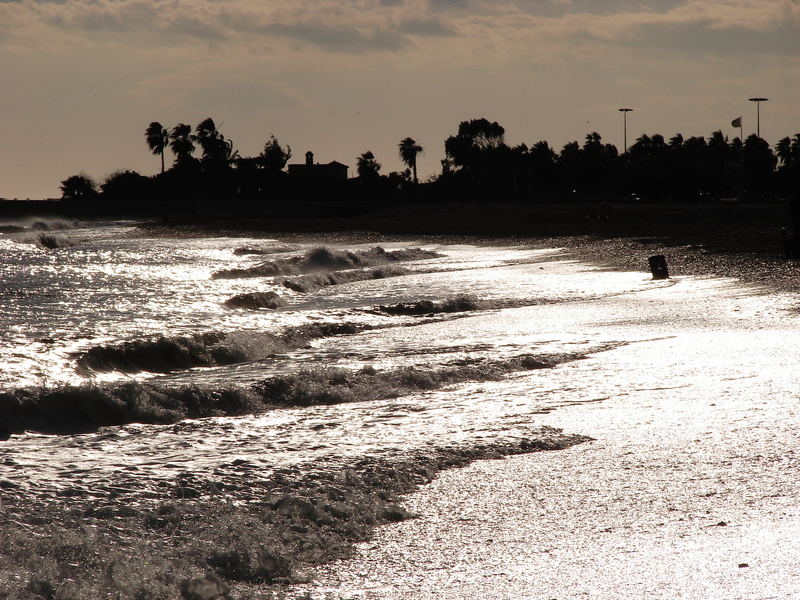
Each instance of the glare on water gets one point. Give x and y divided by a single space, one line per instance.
112 286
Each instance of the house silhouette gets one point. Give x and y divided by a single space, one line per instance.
311 170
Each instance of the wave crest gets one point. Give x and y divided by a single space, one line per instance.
311 283
76 409
322 259
255 301
166 354
72 409
429 307
312 387
51 225
262 250
52 242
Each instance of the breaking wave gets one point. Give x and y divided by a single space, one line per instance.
255 301
52 242
75 409
467 303
311 387
52 225
323 259
262 250
166 354
429 307
311 283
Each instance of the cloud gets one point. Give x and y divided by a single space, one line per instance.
492 28
340 38
425 27
362 25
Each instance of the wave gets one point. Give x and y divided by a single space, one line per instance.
429 307
255 301
21 226
85 408
166 354
467 303
323 259
311 387
311 283
52 242
262 250
51 225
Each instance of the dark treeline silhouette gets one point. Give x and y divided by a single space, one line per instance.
478 166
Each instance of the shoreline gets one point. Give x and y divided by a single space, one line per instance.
239 532
741 241
183 514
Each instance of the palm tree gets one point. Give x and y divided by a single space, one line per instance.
157 140
408 154
181 142
784 150
217 151
368 168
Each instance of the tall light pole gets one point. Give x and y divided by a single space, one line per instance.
758 102
625 112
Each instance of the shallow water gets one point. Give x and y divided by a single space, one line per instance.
688 491
114 286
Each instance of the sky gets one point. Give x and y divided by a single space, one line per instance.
80 80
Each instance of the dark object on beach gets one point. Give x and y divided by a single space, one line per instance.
790 245
658 266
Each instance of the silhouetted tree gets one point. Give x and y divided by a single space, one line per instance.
78 187
542 159
127 185
597 165
274 157
368 168
569 166
181 142
758 163
217 151
788 151
409 149
157 140
474 140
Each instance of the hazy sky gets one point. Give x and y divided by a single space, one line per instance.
82 79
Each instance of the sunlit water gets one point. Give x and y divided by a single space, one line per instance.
113 286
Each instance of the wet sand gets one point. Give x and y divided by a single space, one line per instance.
690 489
686 492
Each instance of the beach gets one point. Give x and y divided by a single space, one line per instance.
668 404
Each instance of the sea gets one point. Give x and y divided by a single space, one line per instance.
85 305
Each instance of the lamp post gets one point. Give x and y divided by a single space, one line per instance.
625 112
758 102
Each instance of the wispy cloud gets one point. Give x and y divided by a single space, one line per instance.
398 25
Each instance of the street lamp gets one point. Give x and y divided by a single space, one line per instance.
758 102
625 112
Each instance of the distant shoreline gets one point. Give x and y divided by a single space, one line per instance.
739 240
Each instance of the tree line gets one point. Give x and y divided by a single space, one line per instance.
478 165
